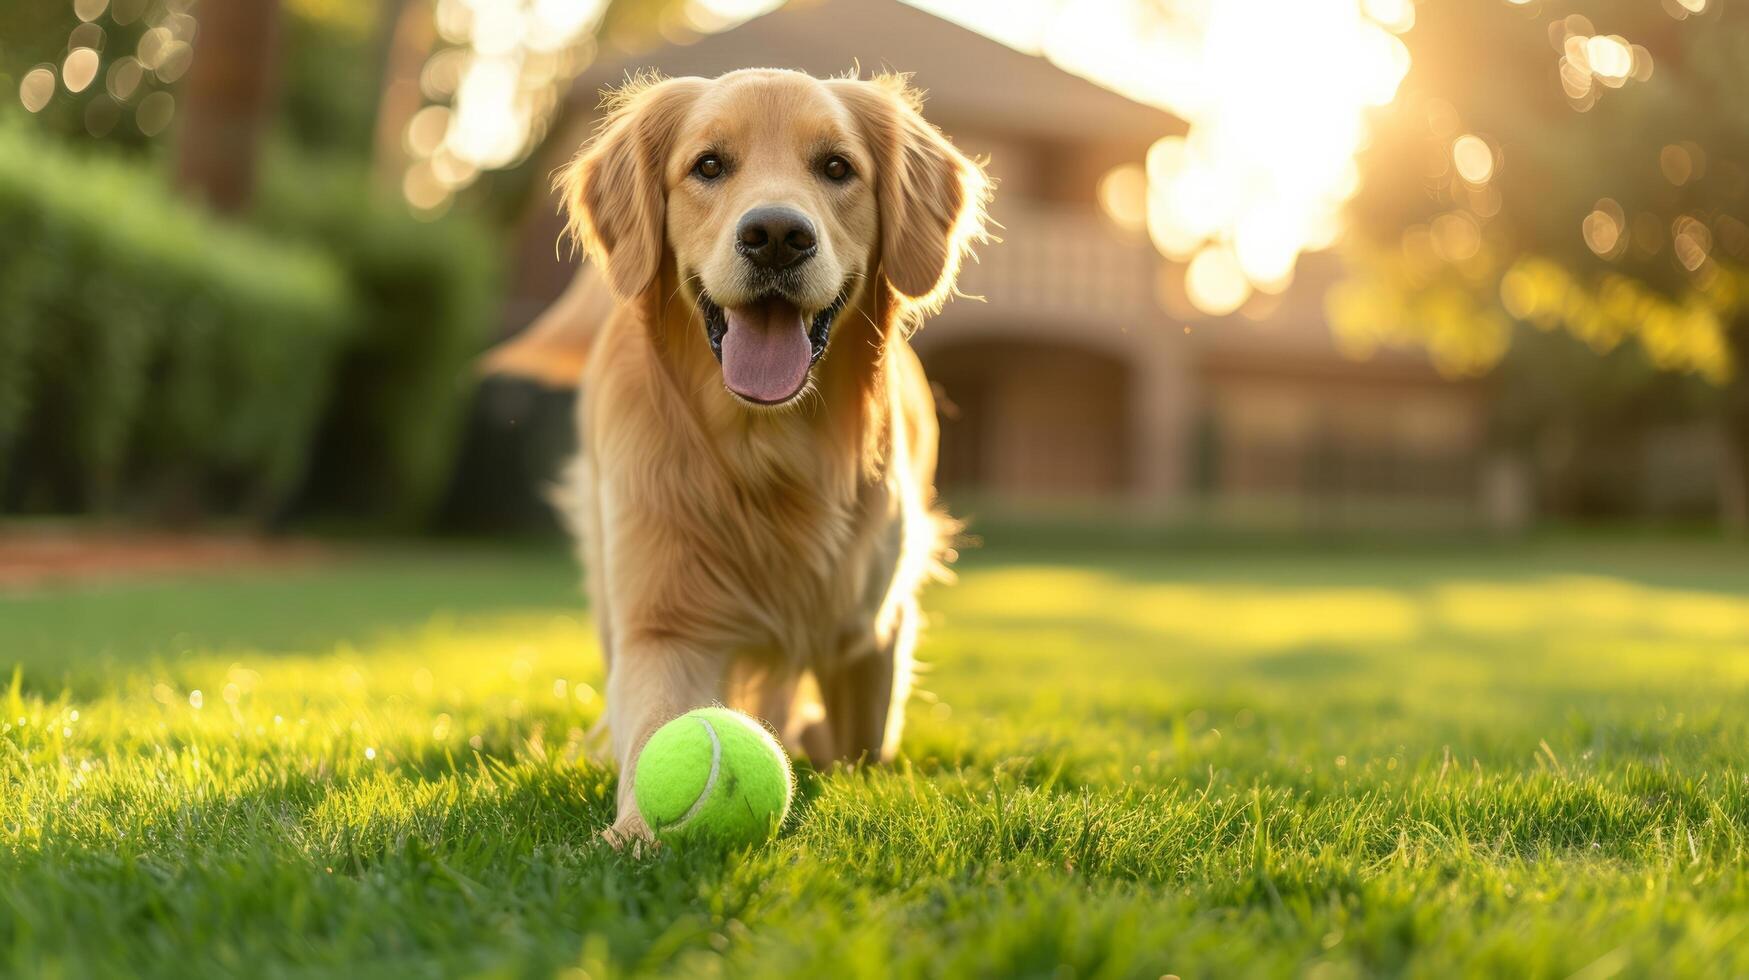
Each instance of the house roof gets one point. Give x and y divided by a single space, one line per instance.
967 75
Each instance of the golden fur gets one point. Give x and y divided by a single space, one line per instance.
765 557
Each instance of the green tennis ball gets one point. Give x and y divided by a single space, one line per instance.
713 775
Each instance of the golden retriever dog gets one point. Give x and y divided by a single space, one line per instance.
755 496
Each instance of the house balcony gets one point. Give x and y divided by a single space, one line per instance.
1059 266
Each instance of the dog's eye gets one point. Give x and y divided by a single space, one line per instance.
709 166
836 168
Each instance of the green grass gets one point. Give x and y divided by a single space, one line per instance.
1522 761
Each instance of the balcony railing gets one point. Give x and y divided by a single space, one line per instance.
1060 262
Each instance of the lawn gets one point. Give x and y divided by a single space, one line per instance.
1520 760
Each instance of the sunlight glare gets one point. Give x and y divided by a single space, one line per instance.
1266 249
1396 16
560 18
489 127
1275 92
720 15
503 83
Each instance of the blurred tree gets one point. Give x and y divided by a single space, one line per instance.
1565 171
329 76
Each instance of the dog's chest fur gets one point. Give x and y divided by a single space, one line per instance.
759 535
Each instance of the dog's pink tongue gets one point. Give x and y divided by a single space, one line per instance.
766 351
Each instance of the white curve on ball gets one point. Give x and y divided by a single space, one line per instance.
710 781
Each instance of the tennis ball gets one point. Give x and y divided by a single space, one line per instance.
713 775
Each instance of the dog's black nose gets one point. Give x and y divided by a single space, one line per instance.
775 237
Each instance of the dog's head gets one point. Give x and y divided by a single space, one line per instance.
781 198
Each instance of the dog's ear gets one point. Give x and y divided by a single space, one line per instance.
615 190
931 196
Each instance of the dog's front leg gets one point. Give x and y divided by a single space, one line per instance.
865 692
651 683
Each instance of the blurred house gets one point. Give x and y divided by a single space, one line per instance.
1081 374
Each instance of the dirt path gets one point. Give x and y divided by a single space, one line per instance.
32 557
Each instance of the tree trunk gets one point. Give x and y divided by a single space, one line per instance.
226 101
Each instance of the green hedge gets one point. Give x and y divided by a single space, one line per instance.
145 346
426 298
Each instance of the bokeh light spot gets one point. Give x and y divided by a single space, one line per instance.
124 78
155 112
1473 158
125 12
89 10
79 69
1442 118
1610 56
37 88
1677 165
1484 201
1123 196
442 74
422 189
1456 236
174 60
504 81
453 171
87 36
1692 241
152 46
1603 229
1642 64
1214 281
426 130
1575 78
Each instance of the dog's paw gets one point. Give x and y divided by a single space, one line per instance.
631 835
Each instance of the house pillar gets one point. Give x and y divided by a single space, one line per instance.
1163 415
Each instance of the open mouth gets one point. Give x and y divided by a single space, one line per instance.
766 347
